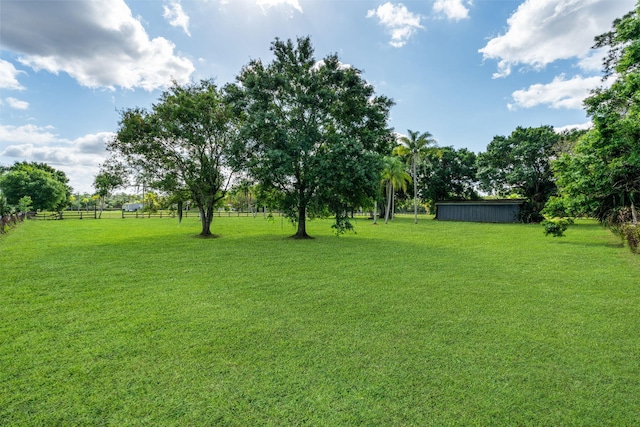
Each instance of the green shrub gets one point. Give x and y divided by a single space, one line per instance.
631 234
556 227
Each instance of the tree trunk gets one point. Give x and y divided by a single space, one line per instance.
415 193
386 214
634 214
206 218
101 207
375 212
180 212
301 233
392 214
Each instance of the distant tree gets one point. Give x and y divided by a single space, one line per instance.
449 174
112 175
415 146
521 164
46 186
25 204
394 177
184 144
5 209
315 131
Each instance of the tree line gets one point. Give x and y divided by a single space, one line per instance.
311 138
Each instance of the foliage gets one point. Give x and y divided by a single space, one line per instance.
184 145
25 204
46 186
520 163
556 227
601 175
394 177
5 209
415 147
112 175
448 174
242 196
631 233
152 202
314 131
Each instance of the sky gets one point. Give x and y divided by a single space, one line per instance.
463 70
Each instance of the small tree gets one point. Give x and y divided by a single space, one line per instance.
415 147
112 175
25 204
394 176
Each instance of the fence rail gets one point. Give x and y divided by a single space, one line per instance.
121 214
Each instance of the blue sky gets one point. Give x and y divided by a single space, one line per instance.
463 70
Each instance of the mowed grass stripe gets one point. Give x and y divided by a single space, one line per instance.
139 322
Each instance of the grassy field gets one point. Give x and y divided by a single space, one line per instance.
139 322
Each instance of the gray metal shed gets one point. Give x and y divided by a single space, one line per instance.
506 210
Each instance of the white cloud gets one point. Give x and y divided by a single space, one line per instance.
580 126
9 76
543 31
400 23
78 158
593 61
560 93
29 134
267 4
454 10
319 64
176 16
108 47
17 104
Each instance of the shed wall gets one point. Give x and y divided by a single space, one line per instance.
479 212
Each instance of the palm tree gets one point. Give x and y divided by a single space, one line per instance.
394 176
415 146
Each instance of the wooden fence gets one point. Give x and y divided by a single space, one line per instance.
121 214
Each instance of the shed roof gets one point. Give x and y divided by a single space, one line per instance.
487 202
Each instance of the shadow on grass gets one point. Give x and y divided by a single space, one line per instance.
208 236
591 244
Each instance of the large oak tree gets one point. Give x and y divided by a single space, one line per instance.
315 131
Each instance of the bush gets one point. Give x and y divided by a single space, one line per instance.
620 222
556 227
529 214
631 234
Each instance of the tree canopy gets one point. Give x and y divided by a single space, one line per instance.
47 186
394 177
185 143
448 174
521 163
314 131
601 175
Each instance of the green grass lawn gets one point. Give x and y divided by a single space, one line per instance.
139 322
